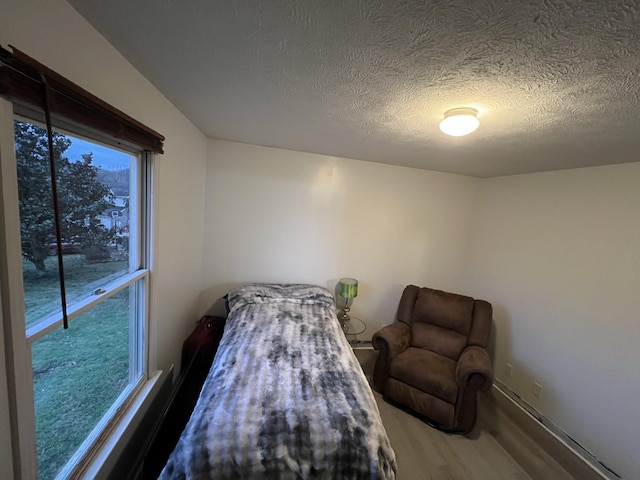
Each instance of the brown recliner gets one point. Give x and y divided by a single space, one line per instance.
433 360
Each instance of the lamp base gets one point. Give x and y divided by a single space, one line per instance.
344 319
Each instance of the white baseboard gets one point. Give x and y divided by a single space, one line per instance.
575 459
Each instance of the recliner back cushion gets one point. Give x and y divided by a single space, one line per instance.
442 341
441 322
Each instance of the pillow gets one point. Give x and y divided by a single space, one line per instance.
302 294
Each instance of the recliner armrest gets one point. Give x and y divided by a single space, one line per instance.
389 341
474 360
392 339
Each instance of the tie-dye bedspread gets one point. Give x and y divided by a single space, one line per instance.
285 397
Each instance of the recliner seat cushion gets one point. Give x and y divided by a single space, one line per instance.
426 371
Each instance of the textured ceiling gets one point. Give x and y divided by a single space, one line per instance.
556 82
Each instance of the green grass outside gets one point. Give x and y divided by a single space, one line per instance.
42 289
78 373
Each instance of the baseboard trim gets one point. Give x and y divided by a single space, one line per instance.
576 460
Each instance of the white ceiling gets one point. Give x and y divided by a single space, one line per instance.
556 82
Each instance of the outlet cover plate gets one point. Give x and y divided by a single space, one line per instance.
537 390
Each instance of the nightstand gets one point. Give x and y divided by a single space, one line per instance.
352 328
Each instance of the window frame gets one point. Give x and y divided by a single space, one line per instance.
18 339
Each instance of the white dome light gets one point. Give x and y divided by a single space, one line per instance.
460 121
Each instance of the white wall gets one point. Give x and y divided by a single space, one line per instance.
283 216
53 33
558 254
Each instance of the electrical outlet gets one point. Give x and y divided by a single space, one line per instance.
537 390
509 370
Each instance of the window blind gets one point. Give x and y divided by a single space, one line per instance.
23 80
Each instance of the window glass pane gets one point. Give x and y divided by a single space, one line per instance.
78 374
96 187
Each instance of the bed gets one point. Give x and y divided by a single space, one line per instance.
285 396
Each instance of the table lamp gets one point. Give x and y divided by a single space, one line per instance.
348 291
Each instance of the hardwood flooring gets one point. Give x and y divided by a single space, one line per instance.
496 449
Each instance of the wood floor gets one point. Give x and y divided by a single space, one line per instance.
496 449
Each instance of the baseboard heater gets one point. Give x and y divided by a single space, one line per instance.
528 417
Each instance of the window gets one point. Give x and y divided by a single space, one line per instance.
90 246
80 375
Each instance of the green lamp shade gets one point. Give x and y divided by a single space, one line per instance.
348 287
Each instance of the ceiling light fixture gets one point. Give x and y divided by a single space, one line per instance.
460 121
